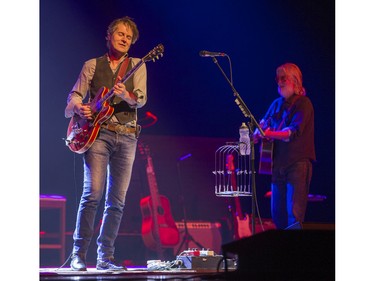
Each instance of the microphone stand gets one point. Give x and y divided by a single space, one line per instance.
246 112
187 236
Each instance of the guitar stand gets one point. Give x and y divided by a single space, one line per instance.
187 236
186 239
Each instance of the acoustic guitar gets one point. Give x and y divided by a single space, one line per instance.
82 133
265 157
159 229
266 152
241 221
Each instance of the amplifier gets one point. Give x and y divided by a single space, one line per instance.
203 234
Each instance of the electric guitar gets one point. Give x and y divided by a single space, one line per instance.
82 132
159 229
241 222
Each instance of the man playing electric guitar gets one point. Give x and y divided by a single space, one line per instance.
108 162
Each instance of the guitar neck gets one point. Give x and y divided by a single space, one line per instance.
236 198
123 81
152 183
155 203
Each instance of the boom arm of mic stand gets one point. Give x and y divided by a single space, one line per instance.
241 104
245 110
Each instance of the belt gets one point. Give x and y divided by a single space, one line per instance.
119 129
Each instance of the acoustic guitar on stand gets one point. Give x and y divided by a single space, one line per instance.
159 229
81 132
241 221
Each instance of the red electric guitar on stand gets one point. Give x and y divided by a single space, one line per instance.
241 221
159 229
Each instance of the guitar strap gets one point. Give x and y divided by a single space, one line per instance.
121 73
122 69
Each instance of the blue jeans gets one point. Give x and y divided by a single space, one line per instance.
108 167
290 190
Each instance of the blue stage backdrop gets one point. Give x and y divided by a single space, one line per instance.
191 99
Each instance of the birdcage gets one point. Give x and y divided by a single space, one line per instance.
232 172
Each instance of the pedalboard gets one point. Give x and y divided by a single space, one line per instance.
198 253
204 260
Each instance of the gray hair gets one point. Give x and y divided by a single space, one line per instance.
292 71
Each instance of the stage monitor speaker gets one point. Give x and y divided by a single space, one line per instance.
207 234
290 254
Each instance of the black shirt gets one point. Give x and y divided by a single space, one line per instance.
296 113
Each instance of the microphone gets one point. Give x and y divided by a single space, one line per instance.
211 54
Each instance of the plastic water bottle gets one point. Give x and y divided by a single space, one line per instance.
244 143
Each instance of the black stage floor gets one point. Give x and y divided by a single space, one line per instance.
65 274
136 274
275 255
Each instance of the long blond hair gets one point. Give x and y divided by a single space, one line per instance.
293 72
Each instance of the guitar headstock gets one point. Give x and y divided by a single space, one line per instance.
143 149
155 53
230 162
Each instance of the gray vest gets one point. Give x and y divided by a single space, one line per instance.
104 76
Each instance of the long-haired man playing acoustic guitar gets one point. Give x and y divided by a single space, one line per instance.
289 124
109 158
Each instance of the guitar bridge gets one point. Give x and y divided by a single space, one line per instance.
76 129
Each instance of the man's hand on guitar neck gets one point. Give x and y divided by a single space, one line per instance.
256 136
120 90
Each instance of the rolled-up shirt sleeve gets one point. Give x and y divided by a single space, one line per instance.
140 84
80 88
